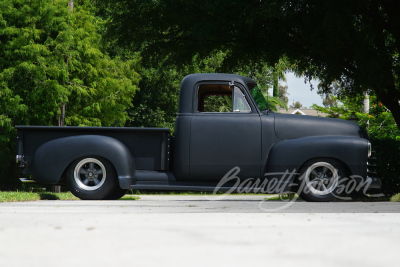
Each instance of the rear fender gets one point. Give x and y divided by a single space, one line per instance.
52 158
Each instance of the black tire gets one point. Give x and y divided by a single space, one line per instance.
320 179
117 194
92 178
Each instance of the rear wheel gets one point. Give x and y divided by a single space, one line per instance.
92 178
320 180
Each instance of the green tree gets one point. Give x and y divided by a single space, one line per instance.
329 102
283 93
383 133
50 58
296 105
379 121
279 74
156 104
353 42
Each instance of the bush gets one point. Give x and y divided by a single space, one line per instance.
395 198
387 154
382 131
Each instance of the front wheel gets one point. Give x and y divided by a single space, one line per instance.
92 178
320 180
116 194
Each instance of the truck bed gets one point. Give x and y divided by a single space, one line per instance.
149 146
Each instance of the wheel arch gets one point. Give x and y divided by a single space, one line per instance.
52 159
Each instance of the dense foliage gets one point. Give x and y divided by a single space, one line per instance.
379 122
51 61
353 42
156 104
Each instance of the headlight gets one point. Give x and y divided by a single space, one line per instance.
369 149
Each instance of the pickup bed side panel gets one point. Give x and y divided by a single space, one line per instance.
52 158
292 154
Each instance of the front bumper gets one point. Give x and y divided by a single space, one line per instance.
373 183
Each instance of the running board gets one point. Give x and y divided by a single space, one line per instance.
167 187
165 181
163 186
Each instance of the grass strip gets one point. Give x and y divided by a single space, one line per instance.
129 197
395 198
19 196
288 196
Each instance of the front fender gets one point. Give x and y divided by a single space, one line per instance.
292 154
52 158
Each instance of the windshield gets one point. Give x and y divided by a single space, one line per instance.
259 98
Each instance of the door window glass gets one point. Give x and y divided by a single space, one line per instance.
220 98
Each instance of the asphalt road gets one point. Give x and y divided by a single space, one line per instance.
194 231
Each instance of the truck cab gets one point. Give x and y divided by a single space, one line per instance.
218 127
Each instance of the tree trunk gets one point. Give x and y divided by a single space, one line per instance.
395 112
61 118
55 189
391 102
71 5
275 92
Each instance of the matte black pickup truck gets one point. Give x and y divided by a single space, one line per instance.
225 139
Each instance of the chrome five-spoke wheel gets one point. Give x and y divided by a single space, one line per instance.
90 174
321 178
93 178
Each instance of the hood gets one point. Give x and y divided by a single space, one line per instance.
288 126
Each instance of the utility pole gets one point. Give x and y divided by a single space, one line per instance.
365 108
366 103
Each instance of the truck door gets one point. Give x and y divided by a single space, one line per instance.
225 133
